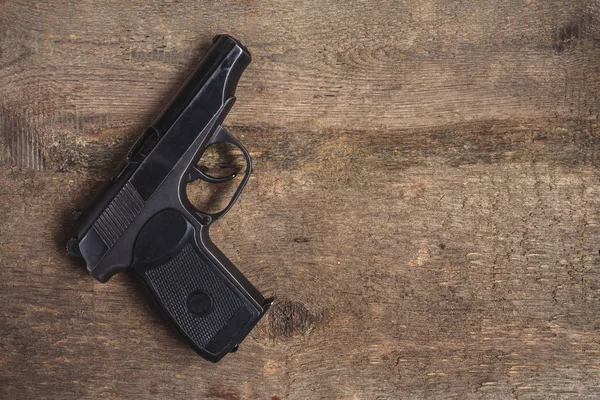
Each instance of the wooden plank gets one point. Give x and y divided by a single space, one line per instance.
424 204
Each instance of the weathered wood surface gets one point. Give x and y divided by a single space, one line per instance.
425 203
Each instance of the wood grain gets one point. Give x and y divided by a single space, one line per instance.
425 203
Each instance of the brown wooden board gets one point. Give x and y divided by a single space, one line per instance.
425 203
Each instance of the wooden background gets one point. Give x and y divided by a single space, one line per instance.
425 203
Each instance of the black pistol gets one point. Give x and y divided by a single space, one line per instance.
142 221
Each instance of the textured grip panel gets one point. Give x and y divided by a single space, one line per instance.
183 277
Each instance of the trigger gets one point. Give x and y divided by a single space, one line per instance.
196 174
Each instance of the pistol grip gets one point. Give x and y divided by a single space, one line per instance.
198 297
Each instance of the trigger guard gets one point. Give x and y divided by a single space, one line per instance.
221 135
